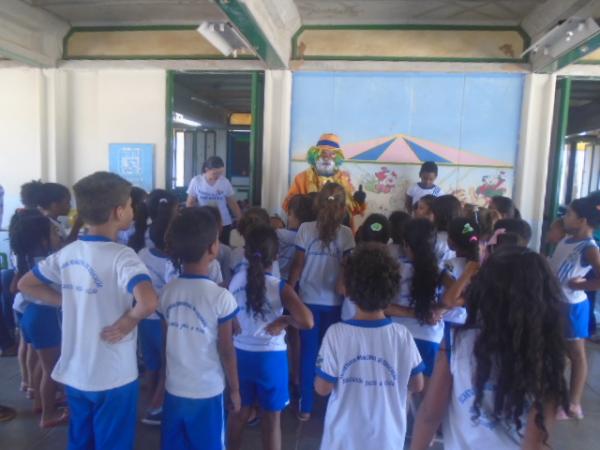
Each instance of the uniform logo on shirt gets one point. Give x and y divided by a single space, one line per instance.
189 319
389 376
74 263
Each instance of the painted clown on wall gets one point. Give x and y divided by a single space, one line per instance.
325 160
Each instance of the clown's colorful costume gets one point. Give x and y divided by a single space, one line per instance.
310 181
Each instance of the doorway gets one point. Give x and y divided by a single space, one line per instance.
215 114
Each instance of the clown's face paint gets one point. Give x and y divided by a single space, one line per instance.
325 164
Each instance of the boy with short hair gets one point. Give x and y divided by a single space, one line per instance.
428 174
98 279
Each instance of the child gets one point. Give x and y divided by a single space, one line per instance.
30 194
321 247
557 232
32 238
416 305
300 210
445 208
428 174
573 258
458 271
509 232
161 272
505 207
424 208
368 364
375 228
136 236
212 188
398 220
224 257
260 347
98 364
54 200
198 315
498 380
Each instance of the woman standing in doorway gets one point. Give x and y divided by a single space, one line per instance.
211 188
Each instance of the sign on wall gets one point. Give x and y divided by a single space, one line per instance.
134 162
390 123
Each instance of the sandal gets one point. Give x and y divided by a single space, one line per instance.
63 419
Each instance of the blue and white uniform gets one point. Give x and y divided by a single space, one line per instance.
193 307
370 362
322 267
461 432
454 268
568 262
427 337
287 249
262 358
416 192
442 249
213 195
97 278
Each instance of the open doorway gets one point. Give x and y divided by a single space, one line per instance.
215 114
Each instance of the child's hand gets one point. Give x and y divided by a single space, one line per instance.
436 316
276 327
577 283
235 401
472 267
118 330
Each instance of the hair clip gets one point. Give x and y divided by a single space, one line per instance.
467 229
376 226
331 198
163 200
473 239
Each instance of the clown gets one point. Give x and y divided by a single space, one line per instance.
325 160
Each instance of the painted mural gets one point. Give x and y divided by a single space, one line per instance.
390 123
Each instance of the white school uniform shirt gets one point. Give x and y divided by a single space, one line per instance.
454 268
416 192
322 265
161 271
193 307
442 249
460 431
224 259
97 278
253 337
349 309
287 249
215 195
396 251
567 262
370 363
239 262
425 332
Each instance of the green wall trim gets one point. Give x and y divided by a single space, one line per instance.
559 155
593 43
170 100
239 15
74 30
518 29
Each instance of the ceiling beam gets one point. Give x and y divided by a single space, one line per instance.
268 25
546 15
31 35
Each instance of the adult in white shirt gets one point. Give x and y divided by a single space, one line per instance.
211 188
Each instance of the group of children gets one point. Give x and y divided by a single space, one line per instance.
440 311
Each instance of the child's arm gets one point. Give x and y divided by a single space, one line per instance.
235 208
416 383
408 204
435 404
394 310
455 288
32 286
300 316
297 268
191 201
74 233
323 387
534 437
146 303
592 255
229 362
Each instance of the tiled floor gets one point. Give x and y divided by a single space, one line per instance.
23 433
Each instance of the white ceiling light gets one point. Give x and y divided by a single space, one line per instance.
180 118
223 37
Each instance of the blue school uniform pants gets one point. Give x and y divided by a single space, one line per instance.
192 424
103 419
310 342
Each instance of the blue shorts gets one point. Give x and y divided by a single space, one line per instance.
428 351
40 326
576 318
192 424
264 379
151 340
103 419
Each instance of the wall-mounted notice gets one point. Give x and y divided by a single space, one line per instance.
134 162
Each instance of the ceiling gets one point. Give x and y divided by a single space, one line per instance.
131 12
505 12
231 92
584 92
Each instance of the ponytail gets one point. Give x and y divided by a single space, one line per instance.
161 205
464 235
137 241
29 236
261 251
331 208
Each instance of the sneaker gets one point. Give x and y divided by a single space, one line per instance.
576 412
153 417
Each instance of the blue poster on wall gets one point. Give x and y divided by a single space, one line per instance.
134 162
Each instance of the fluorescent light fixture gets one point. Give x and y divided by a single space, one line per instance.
180 118
223 37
